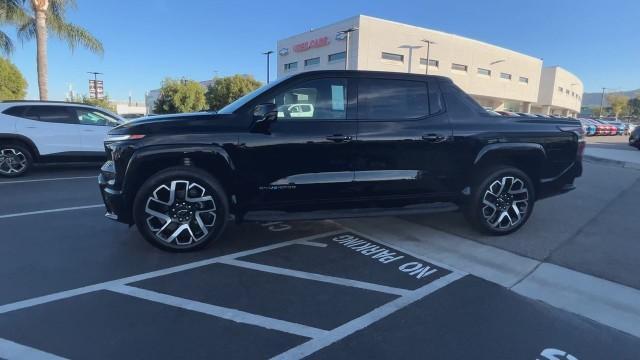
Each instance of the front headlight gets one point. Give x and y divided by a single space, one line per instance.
111 138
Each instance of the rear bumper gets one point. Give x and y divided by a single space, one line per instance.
561 184
114 199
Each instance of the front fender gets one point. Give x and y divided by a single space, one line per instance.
146 161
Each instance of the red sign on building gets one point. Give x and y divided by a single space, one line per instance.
311 44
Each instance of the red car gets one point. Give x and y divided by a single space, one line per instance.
605 129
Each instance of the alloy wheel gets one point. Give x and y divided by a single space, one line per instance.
12 161
505 203
180 213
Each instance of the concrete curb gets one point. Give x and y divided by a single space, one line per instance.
605 161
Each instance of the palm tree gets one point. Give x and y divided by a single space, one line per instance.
11 13
49 15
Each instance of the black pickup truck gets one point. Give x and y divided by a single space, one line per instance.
331 144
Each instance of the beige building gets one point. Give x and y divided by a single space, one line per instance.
496 77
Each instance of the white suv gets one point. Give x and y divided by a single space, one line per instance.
41 131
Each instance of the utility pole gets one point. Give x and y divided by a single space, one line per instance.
95 82
428 42
346 50
602 100
268 54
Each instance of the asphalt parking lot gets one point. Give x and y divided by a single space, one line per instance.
79 286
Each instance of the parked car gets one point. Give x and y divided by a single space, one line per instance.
507 113
605 128
43 131
376 141
634 137
588 126
620 127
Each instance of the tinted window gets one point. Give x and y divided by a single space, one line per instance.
88 116
52 114
15 111
392 99
315 99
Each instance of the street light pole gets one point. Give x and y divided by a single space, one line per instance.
346 50
268 54
428 42
602 101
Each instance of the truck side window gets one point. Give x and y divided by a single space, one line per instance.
322 99
387 99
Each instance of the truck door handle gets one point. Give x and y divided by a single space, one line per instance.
339 138
434 138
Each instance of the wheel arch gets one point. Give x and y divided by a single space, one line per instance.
528 157
21 139
146 162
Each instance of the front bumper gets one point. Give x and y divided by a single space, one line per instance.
114 199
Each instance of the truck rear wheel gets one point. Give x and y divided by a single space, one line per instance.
501 200
181 209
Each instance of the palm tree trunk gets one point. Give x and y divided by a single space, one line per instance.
40 8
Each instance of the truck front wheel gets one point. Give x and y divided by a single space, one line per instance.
181 209
501 200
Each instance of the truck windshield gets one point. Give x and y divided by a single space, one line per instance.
248 97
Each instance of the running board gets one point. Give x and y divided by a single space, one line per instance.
349 213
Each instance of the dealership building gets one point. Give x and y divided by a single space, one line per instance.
496 77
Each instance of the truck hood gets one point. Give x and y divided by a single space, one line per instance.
203 122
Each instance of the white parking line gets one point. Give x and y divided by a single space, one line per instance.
222 312
50 211
47 179
367 319
130 279
14 351
317 277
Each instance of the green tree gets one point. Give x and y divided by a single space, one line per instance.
44 16
11 13
634 106
179 96
618 103
101 103
226 90
13 86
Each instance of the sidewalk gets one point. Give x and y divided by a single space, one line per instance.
625 158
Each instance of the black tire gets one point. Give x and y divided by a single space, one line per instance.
15 159
491 220
155 195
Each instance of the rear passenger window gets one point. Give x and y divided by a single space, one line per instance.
52 114
383 99
15 111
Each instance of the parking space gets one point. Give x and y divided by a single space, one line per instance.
79 286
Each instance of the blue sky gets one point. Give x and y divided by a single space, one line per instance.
148 40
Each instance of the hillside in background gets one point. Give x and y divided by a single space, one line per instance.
593 99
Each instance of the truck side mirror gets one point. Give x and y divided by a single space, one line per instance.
265 114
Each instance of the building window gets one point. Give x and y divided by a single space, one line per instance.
566 91
291 66
393 57
311 62
432 62
524 80
560 89
485 72
459 67
505 76
337 56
